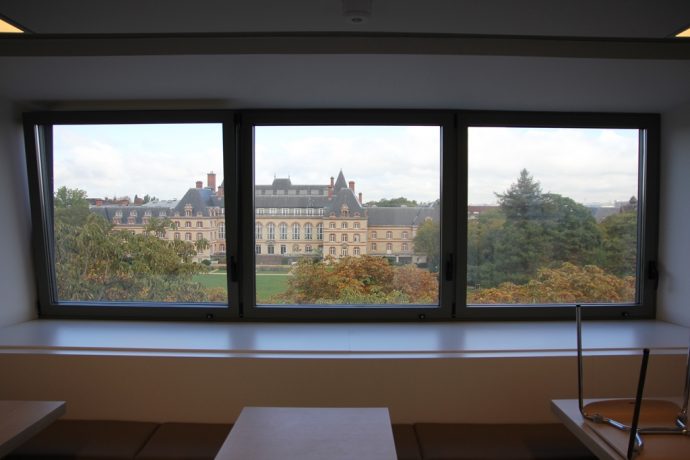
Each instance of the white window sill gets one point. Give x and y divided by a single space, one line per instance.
387 340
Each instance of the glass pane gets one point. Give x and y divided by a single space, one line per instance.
347 215
138 213
552 215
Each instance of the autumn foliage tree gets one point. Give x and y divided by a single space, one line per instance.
428 241
358 280
568 283
95 262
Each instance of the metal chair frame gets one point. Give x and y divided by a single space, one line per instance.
636 443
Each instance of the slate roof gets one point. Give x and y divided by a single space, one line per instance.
201 199
401 216
344 196
283 194
340 182
280 194
110 212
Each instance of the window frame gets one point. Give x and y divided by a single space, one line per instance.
648 208
444 119
38 135
239 220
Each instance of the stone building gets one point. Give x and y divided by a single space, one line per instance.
291 221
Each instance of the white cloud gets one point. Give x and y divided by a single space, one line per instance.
385 162
159 160
587 165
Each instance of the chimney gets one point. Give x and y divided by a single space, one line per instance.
360 197
199 184
211 181
330 191
352 186
221 191
332 182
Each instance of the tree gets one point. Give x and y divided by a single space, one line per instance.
358 280
158 227
540 230
522 202
428 241
94 261
565 284
482 235
416 284
393 202
71 206
619 246
201 245
570 230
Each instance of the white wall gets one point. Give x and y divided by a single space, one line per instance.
17 293
674 224
197 389
215 389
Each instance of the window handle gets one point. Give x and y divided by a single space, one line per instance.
653 273
449 267
233 268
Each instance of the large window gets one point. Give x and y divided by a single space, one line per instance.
563 229
560 211
385 174
111 191
428 215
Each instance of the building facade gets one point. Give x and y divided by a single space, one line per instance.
291 221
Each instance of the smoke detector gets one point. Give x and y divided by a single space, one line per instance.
357 11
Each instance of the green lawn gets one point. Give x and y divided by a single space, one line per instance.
267 284
211 280
270 284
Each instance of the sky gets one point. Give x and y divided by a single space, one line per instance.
588 165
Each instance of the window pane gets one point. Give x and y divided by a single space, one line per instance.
126 199
552 215
348 182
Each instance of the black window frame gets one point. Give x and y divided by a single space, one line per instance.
649 128
444 119
38 136
239 213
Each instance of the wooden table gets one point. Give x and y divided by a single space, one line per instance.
271 433
656 446
21 420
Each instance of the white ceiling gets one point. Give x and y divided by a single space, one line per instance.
585 74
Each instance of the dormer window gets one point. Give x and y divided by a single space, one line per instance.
188 210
